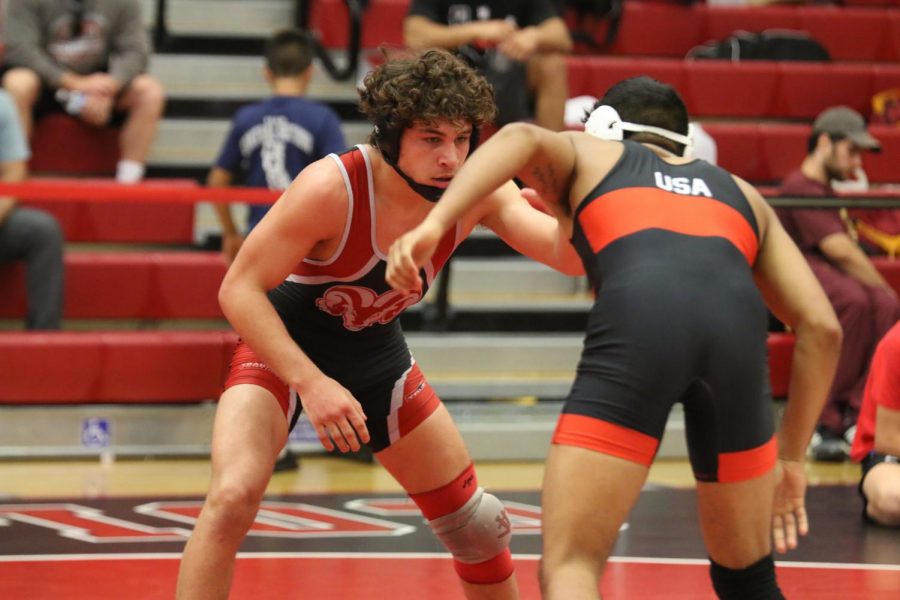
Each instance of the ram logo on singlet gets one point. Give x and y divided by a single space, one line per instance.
689 186
362 307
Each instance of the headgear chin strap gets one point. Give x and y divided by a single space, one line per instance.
605 123
388 142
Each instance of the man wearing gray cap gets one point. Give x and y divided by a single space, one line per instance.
865 303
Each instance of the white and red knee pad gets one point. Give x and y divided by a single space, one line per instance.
472 525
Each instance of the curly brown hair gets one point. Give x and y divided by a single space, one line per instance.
431 86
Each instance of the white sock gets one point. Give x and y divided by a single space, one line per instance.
129 171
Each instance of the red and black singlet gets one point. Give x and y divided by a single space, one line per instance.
341 311
669 250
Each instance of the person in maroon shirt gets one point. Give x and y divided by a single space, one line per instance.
865 303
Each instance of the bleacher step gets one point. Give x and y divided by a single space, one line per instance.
234 18
196 142
510 277
492 431
237 77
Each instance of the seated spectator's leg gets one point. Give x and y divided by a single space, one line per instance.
34 236
144 100
548 80
24 85
885 313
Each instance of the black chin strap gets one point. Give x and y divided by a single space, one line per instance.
432 193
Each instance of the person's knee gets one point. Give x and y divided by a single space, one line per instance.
559 576
884 306
47 230
23 85
233 506
40 228
146 95
884 506
851 302
474 527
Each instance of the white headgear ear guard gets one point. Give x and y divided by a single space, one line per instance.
605 123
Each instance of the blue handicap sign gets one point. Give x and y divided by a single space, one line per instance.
95 432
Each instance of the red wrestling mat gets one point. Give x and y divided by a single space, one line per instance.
402 576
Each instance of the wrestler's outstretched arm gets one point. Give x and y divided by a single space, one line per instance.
543 159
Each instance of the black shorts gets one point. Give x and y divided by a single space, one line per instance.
47 104
395 404
639 360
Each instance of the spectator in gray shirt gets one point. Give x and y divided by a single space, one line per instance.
88 57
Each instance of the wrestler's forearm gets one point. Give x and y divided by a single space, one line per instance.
553 36
219 177
496 161
251 314
814 362
567 258
421 34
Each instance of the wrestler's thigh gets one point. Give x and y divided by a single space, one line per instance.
429 456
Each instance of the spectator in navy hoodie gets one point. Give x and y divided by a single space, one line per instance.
271 141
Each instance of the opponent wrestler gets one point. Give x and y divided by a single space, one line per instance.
319 326
673 248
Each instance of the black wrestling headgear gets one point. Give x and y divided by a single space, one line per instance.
388 141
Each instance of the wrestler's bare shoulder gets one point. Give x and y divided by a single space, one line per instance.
319 188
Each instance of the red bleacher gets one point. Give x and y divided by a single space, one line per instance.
854 34
382 23
167 366
766 152
171 366
128 285
162 285
136 222
759 89
119 366
781 353
668 29
63 144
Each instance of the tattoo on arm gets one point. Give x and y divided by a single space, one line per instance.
546 179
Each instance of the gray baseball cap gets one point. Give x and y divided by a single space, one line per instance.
846 122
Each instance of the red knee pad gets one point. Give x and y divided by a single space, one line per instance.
495 570
449 498
456 500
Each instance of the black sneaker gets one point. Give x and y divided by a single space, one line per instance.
827 446
286 461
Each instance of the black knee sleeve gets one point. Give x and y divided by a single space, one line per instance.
756 582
